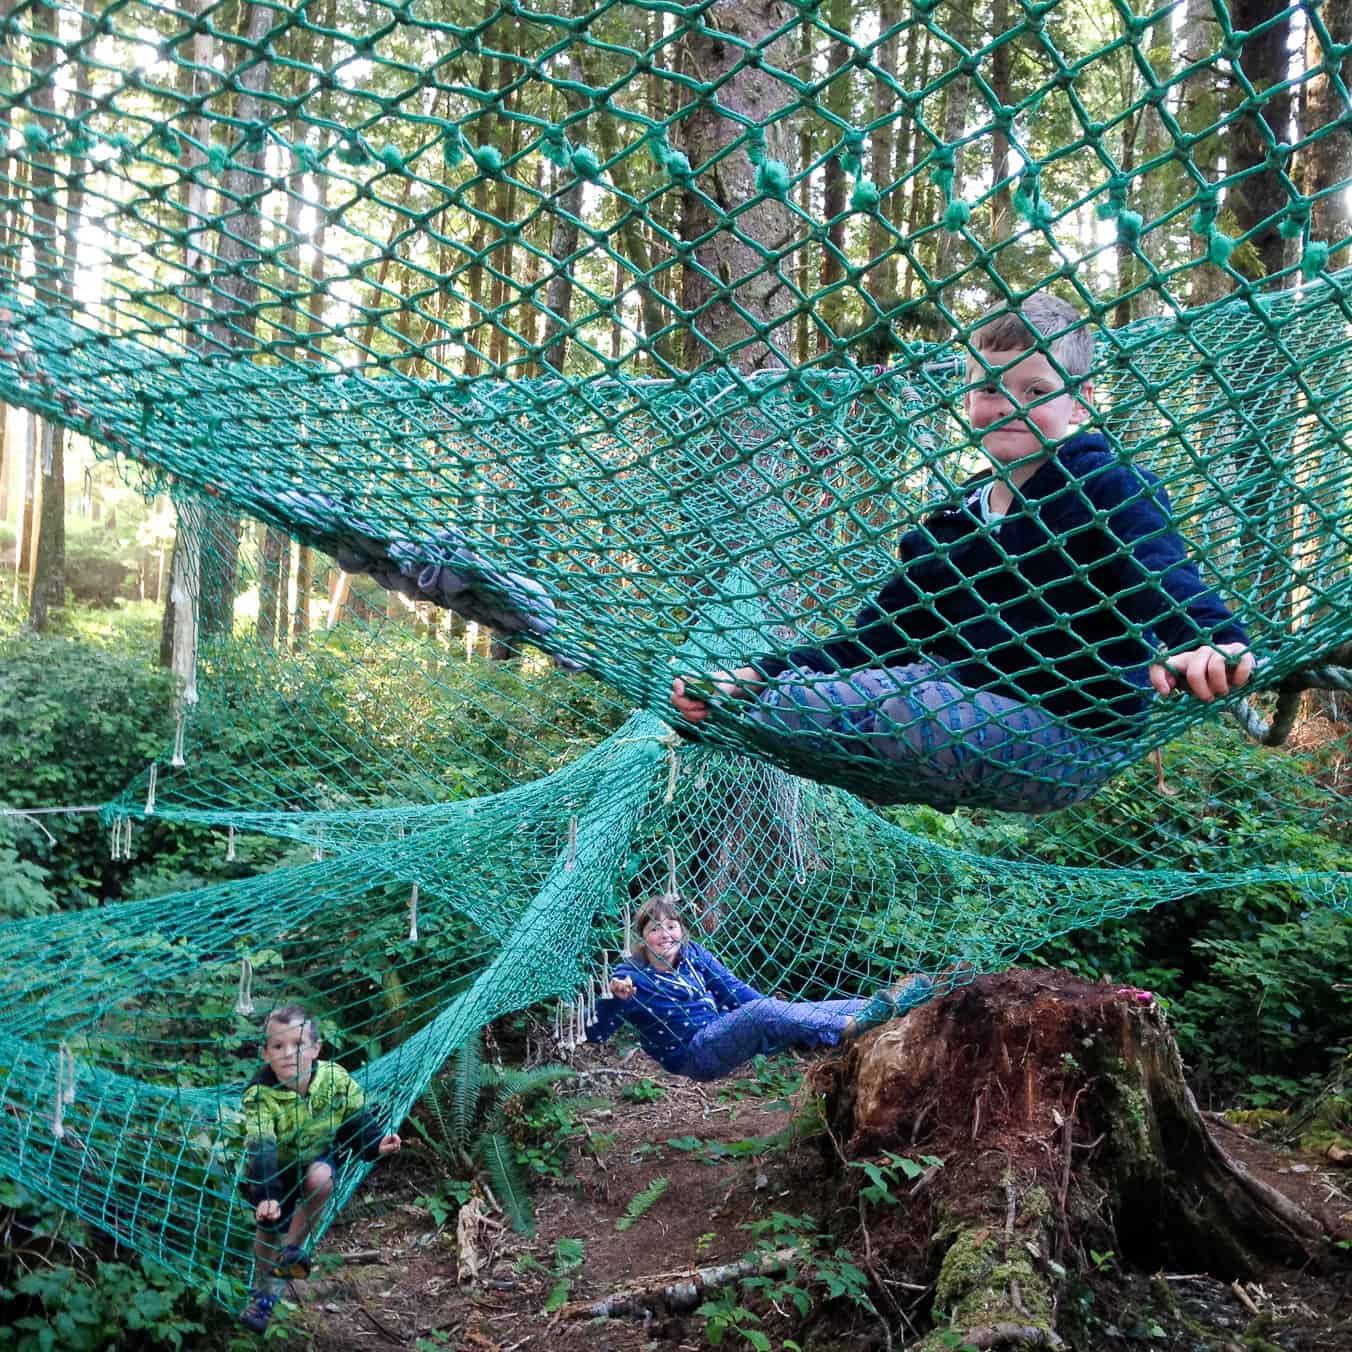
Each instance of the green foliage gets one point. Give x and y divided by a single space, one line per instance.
58 1295
882 1177
502 1119
22 889
819 1272
76 723
568 1256
774 1078
643 1091
642 1202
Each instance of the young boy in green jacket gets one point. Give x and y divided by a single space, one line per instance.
301 1116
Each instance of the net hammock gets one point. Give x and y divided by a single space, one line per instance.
626 331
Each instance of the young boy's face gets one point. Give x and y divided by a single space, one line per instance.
290 1051
1016 390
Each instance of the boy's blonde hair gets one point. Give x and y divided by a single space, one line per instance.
663 906
286 1015
1009 328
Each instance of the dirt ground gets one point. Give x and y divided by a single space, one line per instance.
387 1276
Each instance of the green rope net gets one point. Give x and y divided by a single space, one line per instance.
637 335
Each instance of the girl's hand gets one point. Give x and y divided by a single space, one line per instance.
269 1210
389 1145
621 987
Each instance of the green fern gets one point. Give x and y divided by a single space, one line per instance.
468 1082
516 1085
508 1181
642 1203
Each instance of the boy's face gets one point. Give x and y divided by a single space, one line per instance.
290 1051
1015 390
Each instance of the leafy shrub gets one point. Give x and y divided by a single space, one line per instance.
57 1292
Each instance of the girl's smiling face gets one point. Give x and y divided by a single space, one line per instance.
663 939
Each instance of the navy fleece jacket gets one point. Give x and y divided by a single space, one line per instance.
667 1009
1064 601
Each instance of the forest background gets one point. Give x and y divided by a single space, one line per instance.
1251 975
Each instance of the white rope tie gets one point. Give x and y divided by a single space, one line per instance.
413 914
797 852
558 1022
244 1003
566 1039
65 1088
319 853
176 760
126 837
673 769
572 844
229 844
672 893
581 1016
150 790
116 839
628 931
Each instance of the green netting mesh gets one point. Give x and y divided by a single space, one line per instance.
645 329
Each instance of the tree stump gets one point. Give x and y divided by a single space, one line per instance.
1066 1129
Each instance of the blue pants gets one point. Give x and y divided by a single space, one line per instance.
762 1027
957 746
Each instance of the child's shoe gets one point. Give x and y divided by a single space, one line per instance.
915 990
292 1262
258 1311
881 1009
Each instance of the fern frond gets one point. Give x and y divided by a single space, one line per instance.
521 1084
508 1182
643 1202
468 1082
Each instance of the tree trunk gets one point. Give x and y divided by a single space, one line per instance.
1001 199
23 543
272 599
47 583
1259 198
831 301
881 278
1327 162
729 277
562 246
1064 1124
47 521
235 296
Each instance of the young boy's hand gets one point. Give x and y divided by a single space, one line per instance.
1207 672
268 1210
621 987
739 684
389 1145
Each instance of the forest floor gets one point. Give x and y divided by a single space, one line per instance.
388 1276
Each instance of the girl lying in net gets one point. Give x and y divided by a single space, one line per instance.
696 1019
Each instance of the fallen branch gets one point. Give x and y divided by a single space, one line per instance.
1294 1217
677 1292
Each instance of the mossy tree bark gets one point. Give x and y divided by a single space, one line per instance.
1066 1128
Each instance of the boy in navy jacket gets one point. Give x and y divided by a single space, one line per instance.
1013 654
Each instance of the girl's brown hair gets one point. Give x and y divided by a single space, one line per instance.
663 906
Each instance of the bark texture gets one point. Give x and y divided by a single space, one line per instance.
1065 1125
